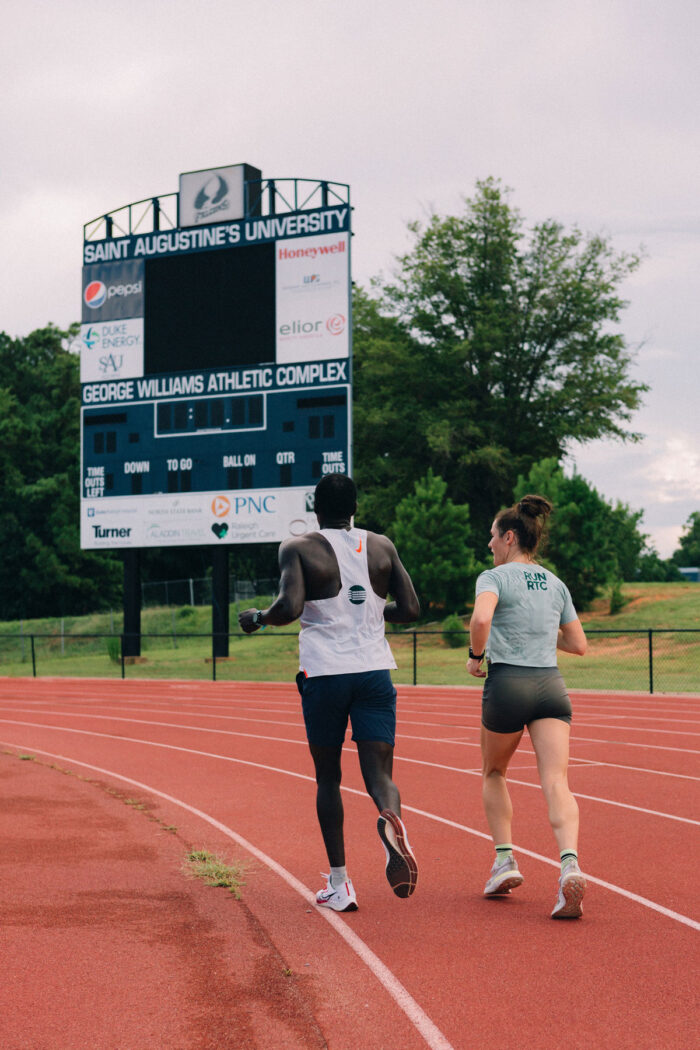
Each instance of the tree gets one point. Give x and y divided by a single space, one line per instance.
590 542
43 570
432 536
491 349
688 551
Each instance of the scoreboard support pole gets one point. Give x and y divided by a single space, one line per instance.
219 602
132 603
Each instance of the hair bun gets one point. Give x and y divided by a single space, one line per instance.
535 506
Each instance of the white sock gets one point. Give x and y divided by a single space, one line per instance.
338 876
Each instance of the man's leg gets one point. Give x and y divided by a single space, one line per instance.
329 804
377 762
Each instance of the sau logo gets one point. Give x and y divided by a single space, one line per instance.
336 324
220 506
357 594
212 192
95 294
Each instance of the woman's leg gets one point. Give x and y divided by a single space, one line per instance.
497 749
550 739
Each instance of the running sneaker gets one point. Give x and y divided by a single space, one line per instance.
504 877
339 898
401 867
572 886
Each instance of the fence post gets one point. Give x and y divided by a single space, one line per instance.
33 657
121 647
651 662
415 658
213 663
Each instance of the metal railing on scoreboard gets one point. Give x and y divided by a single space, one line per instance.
262 197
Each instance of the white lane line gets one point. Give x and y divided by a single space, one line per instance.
401 996
302 743
640 729
354 791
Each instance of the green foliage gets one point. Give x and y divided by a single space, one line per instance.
491 350
653 569
618 600
433 539
43 569
186 612
688 552
591 542
453 632
114 650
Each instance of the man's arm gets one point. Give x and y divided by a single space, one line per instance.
289 603
405 608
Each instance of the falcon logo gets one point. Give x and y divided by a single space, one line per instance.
212 192
357 594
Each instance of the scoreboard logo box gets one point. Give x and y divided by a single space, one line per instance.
214 194
111 350
113 292
311 280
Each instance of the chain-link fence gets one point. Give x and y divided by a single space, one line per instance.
197 591
654 660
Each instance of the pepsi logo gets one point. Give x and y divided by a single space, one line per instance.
336 324
95 294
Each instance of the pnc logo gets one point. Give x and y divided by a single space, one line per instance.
212 192
95 294
220 506
336 324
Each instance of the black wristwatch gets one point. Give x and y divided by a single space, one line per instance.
475 656
257 620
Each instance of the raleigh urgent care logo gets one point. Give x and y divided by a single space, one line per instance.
336 324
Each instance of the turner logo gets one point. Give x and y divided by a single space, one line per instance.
212 197
95 295
101 533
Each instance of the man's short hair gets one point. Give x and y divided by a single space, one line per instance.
335 496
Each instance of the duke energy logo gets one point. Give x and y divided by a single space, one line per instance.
357 594
95 294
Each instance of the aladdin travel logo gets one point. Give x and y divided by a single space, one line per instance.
95 295
212 197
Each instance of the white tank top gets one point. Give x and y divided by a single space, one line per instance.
345 634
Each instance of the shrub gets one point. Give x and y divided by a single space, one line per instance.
114 649
453 632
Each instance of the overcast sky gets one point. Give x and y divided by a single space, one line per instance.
589 111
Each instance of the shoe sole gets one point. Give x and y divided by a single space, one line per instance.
401 866
352 906
508 884
572 890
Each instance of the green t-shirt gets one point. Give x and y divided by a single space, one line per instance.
533 603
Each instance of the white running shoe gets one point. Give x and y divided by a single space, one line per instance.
339 898
504 877
572 886
401 866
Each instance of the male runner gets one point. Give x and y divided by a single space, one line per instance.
337 581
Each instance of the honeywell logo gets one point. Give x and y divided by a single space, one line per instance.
311 253
101 533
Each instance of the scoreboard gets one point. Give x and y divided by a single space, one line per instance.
215 375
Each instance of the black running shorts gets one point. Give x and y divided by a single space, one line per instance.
515 696
367 698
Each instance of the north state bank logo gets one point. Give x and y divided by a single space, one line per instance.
95 294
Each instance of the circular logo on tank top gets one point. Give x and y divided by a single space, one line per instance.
357 594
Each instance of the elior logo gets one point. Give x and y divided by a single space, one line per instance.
95 294
336 324
212 192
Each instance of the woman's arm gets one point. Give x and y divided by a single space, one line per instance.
479 628
571 638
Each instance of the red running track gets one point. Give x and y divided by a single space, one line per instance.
228 764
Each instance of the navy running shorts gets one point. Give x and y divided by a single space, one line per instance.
368 699
515 696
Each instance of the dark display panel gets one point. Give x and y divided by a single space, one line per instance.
210 310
